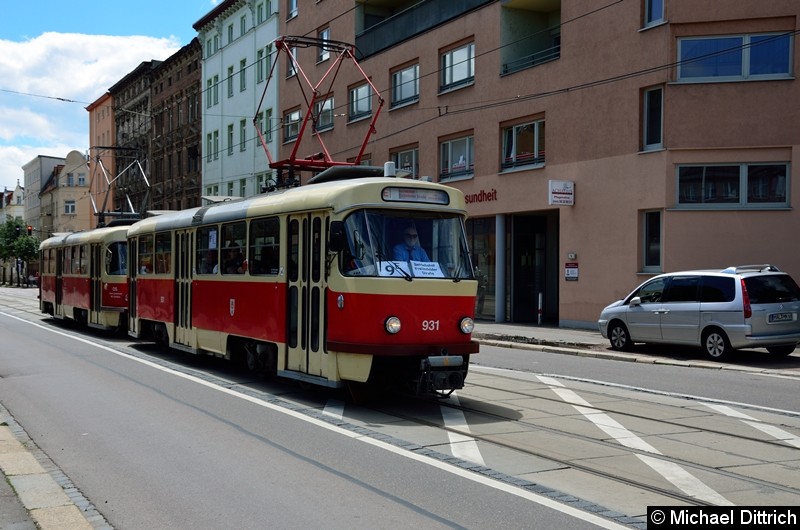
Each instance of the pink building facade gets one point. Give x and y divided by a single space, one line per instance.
597 145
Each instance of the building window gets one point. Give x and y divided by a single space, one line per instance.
216 43
208 48
653 12
523 145
230 33
70 179
216 90
291 9
290 68
733 186
69 207
735 57
230 189
230 81
324 115
458 67
405 86
360 102
267 125
242 75
291 125
209 96
216 145
243 25
456 158
260 65
230 139
651 246
324 52
242 135
407 160
209 147
260 13
653 118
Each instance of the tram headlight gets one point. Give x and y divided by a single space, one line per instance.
392 325
466 325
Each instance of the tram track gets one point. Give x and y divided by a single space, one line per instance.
672 493
423 416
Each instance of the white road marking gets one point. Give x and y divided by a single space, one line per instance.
462 446
675 474
443 466
771 430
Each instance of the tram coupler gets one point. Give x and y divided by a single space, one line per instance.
440 373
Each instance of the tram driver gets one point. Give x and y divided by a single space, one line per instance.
409 248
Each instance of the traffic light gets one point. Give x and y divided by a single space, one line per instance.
30 230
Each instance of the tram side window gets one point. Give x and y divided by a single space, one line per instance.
145 264
264 246
234 237
66 261
207 250
83 259
117 259
76 260
163 253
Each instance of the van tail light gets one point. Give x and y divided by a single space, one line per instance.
748 312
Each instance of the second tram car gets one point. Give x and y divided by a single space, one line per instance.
83 277
307 282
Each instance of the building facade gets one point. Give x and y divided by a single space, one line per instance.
36 172
64 199
596 145
177 127
133 131
236 37
102 140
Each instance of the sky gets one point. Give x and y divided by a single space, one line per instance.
57 57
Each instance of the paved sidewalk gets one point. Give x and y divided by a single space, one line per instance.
30 495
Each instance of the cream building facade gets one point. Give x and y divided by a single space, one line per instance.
65 204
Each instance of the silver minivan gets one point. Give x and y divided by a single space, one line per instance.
751 306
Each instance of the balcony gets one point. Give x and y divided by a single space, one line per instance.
530 33
381 25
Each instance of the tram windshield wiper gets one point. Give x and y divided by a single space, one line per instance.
380 257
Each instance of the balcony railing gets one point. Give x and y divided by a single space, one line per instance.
533 59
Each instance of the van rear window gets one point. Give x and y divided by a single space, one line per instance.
772 289
717 289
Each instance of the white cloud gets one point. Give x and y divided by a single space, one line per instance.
38 74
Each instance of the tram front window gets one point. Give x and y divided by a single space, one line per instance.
406 245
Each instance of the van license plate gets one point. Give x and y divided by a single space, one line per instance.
781 317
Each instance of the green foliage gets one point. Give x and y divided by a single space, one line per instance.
16 243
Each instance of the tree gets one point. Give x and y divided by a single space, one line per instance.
15 244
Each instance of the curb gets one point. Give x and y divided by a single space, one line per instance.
50 498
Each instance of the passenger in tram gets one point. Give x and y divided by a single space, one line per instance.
409 249
209 263
234 261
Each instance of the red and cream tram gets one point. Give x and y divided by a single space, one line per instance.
83 277
306 282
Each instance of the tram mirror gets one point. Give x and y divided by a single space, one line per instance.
336 238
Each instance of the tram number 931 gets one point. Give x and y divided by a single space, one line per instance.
430 325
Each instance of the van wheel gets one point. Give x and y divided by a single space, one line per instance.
781 350
716 344
619 338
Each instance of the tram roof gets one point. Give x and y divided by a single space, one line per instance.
336 195
97 235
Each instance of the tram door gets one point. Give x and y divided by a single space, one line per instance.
57 310
95 282
133 261
184 257
306 295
